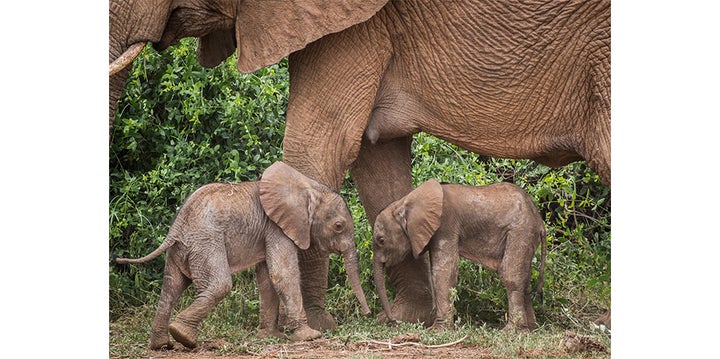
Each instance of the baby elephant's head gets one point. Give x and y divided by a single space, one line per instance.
306 210
309 212
405 227
332 224
391 243
407 224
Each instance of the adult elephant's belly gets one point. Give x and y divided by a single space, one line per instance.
554 151
491 131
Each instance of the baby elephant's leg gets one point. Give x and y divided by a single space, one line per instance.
282 263
516 272
269 303
444 263
213 281
174 283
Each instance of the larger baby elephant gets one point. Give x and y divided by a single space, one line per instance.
497 226
224 228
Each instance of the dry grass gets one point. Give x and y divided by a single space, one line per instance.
363 338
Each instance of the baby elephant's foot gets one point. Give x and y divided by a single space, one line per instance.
520 323
527 327
304 333
321 320
184 334
512 327
382 318
442 325
509 328
265 332
160 341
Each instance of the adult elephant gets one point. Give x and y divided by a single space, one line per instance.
503 79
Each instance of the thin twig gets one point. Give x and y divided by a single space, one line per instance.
447 344
392 345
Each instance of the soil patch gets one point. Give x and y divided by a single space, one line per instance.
401 346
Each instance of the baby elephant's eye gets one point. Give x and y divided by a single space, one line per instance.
380 240
339 226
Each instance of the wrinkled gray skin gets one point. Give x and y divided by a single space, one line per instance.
224 228
524 79
497 226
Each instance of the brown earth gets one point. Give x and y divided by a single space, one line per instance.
402 346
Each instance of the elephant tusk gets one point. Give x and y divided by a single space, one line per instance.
126 58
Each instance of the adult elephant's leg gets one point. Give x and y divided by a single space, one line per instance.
333 84
382 175
314 267
599 133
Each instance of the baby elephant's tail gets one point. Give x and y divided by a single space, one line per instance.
167 243
541 272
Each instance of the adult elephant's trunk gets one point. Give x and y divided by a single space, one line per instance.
379 277
353 272
126 58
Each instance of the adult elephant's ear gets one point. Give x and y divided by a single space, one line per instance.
419 214
289 200
267 31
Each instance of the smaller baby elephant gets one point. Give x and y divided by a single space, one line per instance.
497 226
224 228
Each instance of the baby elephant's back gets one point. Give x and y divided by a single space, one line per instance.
504 204
220 207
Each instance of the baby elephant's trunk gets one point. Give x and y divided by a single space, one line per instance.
379 277
167 243
353 272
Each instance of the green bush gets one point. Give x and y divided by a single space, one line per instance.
180 125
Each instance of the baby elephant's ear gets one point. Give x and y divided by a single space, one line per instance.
420 214
289 200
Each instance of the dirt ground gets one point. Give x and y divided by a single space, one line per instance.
405 346
326 348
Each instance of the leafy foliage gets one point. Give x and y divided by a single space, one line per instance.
179 126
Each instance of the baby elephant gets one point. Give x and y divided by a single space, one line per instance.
497 226
224 228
